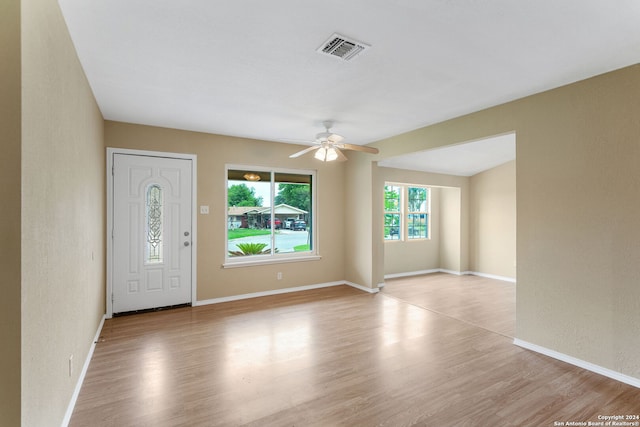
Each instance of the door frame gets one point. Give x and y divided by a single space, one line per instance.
111 152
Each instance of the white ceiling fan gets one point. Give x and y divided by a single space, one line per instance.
329 146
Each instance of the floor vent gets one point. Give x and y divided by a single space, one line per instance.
341 47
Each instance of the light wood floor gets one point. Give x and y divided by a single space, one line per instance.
486 303
330 357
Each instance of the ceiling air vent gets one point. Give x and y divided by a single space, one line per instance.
342 47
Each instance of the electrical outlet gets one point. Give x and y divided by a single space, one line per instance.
71 365
204 210
279 275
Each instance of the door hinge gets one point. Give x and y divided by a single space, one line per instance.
112 298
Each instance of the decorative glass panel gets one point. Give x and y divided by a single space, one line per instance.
154 224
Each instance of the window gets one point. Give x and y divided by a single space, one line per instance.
270 214
417 213
406 212
392 212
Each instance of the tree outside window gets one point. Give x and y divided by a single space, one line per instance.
241 195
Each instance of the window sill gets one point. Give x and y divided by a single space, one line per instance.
421 239
251 263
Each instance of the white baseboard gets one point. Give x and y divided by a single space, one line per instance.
76 392
281 291
444 270
579 363
362 288
492 276
411 273
457 273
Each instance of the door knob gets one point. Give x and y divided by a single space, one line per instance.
186 233
186 243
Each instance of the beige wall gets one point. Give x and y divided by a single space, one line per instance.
361 222
578 206
10 107
577 212
451 242
213 153
492 216
62 215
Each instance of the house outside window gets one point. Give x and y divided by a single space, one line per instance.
270 214
406 212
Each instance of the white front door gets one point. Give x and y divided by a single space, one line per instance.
151 232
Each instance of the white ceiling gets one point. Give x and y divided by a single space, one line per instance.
462 159
250 68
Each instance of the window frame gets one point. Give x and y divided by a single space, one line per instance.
399 212
426 212
403 233
273 258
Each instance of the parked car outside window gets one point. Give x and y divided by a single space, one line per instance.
300 225
277 222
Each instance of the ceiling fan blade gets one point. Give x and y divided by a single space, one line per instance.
363 148
305 151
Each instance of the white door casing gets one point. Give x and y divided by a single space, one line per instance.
152 233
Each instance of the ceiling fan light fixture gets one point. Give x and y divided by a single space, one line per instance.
250 176
321 154
329 146
332 154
